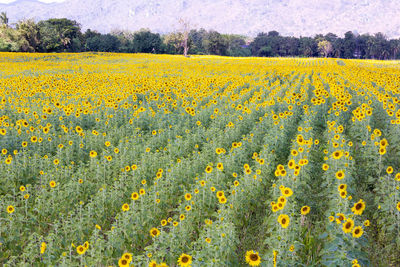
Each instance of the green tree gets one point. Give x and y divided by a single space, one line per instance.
97 42
8 39
215 44
331 37
196 38
269 45
362 45
236 45
325 47
378 46
58 35
173 42
349 45
394 48
145 41
28 35
259 46
275 41
293 44
308 47
338 48
125 39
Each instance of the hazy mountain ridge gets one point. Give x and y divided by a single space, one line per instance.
227 16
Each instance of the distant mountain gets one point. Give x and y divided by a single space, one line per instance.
289 17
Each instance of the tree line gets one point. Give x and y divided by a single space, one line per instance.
65 35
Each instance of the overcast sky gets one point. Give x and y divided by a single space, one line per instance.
44 1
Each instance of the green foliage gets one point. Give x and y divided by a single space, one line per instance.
3 19
60 35
97 42
64 35
214 43
28 33
8 39
144 41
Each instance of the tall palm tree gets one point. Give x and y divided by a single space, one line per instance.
4 18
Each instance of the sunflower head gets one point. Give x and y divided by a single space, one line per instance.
123 262
340 175
357 231
252 258
52 184
342 187
287 192
284 220
358 207
348 226
340 218
10 209
134 195
208 169
184 260
80 250
305 210
125 207
222 200
93 154
389 169
337 154
154 232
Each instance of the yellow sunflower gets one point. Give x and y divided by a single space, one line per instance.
80 249
357 231
337 154
125 207
93 154
348 226
305 210
358 207
252 258
222 200
325 167
287 192
342 187
284 220
134 195
122 262
154 232
43 247
209 169
340 175
52 183
185 260
389 169
340 218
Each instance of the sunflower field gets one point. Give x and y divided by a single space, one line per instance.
157 160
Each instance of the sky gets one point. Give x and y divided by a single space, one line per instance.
44 1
